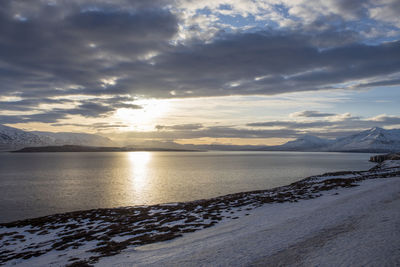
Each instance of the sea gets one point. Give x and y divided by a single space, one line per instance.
38 184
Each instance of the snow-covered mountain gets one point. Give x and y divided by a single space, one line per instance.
306 142
375 139
64 138
13 138
372 140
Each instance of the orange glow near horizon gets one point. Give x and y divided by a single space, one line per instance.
235 141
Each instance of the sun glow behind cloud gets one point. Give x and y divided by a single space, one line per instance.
146 118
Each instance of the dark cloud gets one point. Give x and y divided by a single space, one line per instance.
332 129
291 124
92 108
313 114
29 104
189 126
257 63
97 126
95 107
48 117
354 9
124 47
388 82
54 48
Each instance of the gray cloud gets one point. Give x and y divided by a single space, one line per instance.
97 126
189 126
28 104
387 82
312 114
291 124
126 47
59 47
332 129
48 117
95 107
232 64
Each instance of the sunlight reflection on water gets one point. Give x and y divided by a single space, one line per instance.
139 164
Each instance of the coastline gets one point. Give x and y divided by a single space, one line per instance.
346 227
89 237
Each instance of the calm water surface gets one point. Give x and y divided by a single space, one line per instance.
36 184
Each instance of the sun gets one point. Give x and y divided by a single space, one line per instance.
144 119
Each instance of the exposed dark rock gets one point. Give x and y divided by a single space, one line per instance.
382 158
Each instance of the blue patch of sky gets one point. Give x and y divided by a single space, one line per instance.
225 7
373 102
239 21
203 11
248 22
283 10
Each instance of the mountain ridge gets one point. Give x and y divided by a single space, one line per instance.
13 138
374 140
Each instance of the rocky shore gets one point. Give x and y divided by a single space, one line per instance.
382 158
82 238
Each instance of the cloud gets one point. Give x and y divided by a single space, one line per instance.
386 82
48 117
388 12
93 107
386 120
292 124
311 114
58 49
97 126
190 126
175 49
29 104
338 124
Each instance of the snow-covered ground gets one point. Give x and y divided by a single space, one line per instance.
346 227
324 220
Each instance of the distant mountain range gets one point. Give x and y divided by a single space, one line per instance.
374 140
13 138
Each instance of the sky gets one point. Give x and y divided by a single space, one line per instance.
200 72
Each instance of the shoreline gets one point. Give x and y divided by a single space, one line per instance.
346 227
112 231
122 171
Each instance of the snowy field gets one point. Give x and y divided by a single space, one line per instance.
358 227
339 219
